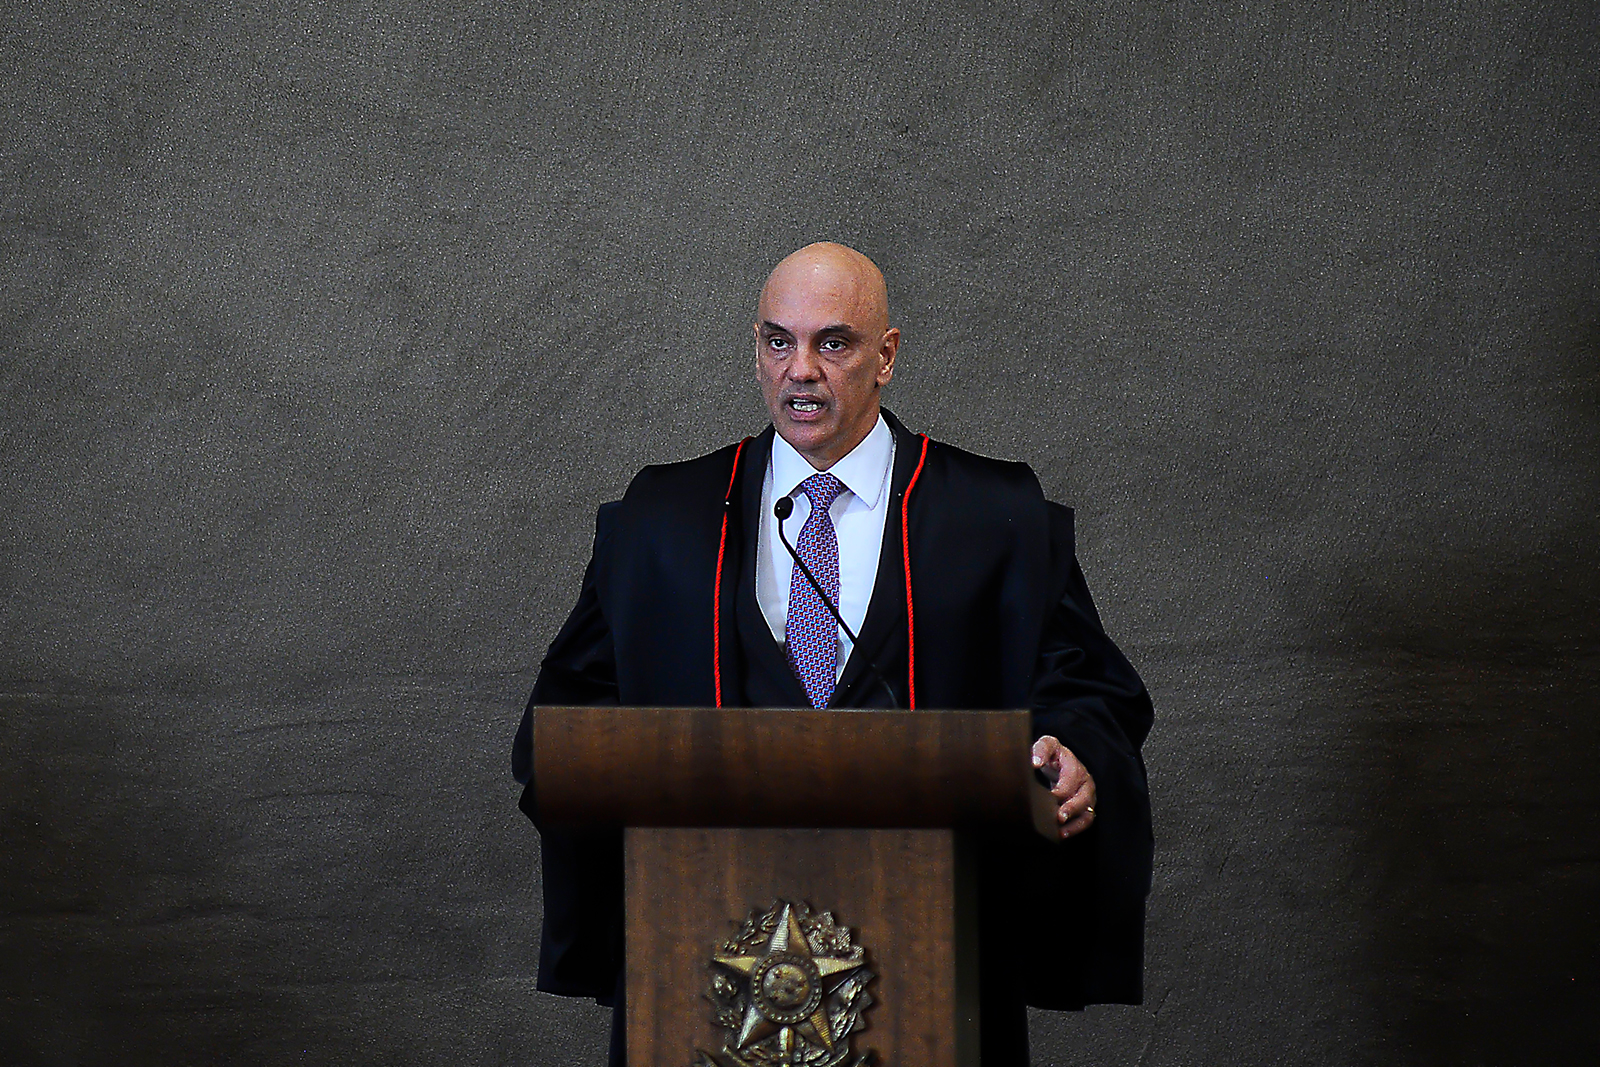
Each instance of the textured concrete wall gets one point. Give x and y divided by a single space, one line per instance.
323 330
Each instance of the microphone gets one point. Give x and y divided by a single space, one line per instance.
781 510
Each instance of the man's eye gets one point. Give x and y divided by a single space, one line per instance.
833 344
777 342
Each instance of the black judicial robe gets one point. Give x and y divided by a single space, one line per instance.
1003 619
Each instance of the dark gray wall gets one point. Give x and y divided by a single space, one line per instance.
323 331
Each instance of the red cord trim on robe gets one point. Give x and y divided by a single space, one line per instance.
716 586
905 558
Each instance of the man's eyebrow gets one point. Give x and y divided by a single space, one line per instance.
837 329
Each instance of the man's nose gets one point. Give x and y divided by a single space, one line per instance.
804 364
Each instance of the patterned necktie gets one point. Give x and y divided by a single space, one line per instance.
810 632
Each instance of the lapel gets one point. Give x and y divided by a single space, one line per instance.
886 611
755 636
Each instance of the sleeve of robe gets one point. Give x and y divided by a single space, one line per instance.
1091 889
581 945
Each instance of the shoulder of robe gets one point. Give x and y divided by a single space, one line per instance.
688 482
1004 489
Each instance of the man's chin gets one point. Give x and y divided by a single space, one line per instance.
806 438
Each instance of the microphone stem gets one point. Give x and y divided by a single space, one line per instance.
817 586
854 641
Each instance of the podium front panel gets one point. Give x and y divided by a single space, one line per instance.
903 898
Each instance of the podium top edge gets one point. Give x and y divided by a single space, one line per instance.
658 709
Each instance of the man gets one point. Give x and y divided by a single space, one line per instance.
961 584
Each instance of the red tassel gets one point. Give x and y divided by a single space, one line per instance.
905 558
716 588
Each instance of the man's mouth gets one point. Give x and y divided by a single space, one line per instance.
804 405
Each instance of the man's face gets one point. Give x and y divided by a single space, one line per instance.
823 350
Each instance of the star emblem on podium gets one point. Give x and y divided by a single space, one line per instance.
792 998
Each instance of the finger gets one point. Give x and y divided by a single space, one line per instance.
1081 800
1046 751
1077 811
1078 822
1070 781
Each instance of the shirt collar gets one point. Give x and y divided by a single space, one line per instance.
864 470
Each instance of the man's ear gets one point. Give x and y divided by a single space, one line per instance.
886 354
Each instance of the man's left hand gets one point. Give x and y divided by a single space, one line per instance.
1074 785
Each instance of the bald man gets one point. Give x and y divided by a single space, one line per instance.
1002 619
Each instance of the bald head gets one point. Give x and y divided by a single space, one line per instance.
824 349
836 271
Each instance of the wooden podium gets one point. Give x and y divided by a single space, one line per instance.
798 890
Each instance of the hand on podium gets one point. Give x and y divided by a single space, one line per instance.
1073 788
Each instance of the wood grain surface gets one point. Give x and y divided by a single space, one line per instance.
904 894
788 767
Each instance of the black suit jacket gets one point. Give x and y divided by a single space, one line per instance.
1002 618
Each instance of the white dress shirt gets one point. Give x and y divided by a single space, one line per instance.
858 517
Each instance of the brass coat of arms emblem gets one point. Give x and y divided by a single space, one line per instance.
788 989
